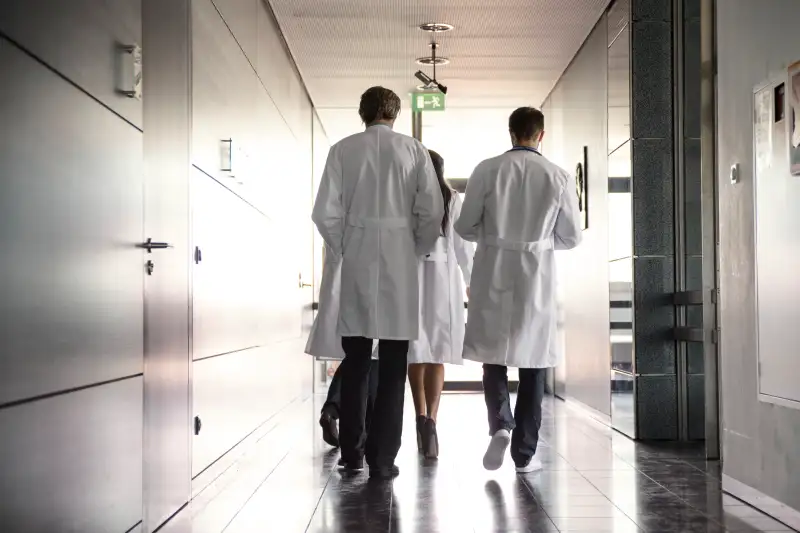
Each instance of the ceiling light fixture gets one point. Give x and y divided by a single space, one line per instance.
436 27
429 82
430 60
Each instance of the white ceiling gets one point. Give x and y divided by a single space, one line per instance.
503 53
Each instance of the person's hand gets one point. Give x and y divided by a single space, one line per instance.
467 293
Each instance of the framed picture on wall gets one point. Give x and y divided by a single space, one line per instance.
582 185
793 98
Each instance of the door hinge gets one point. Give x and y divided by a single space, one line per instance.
714 296
715 336
198 255
198 424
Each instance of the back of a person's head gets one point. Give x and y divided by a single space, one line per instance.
526 123
379 104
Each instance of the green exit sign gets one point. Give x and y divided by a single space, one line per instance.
427 102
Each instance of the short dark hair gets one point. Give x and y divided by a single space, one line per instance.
526 123
378 103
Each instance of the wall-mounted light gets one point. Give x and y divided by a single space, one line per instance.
226 156
129 71
234 161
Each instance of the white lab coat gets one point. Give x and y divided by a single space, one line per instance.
519 207
379 207
441 297
323 340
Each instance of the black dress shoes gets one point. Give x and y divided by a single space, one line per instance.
330 432
351 466
384 473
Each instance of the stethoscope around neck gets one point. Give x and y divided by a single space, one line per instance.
525 149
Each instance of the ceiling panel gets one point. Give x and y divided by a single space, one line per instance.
503 54
500 51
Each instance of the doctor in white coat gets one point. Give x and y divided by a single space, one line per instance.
378 207
519 207
443 274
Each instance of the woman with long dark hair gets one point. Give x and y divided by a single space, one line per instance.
442 321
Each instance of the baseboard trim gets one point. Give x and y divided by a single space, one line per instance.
766 504
584 409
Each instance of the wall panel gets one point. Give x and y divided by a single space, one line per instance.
760 440
224 92
575 116
167 157
241 17
73 463
70 220
252 226
79 39
276 69
235 393
231 282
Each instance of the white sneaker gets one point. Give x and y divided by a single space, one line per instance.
534 465
496 452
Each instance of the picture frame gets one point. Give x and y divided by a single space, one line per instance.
582 186
793 116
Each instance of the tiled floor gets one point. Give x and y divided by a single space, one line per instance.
594 480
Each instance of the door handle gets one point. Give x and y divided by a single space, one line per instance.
149 245
300 282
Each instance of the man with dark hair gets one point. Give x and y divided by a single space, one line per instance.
379 207
526 123
519 207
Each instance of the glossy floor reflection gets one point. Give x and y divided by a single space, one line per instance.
594 480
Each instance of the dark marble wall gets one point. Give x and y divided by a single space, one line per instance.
667 371
653 185
693 252
646 265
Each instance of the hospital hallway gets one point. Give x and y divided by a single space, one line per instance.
198 199
594 480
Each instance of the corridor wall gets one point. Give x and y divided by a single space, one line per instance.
575 116
251 227
761 454
71 279
100 371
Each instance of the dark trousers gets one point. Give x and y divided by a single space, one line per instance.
334 400
386 428
524 424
